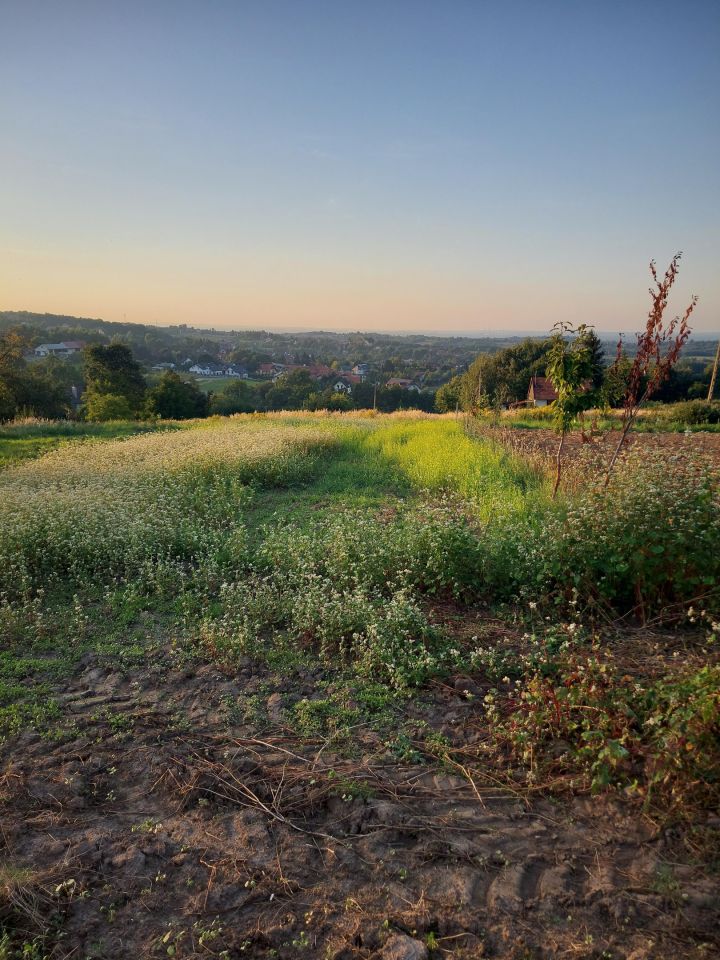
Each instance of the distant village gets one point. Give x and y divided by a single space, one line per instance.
243 371
341 379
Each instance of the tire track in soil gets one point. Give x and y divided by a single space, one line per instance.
157 832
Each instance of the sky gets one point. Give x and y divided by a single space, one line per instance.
389 165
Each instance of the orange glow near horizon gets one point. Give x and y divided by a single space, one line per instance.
226 296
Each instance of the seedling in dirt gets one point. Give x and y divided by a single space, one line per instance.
349 789
302 941
146 826
666 883
431 941
402 749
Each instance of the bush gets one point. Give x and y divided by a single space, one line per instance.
173 398
436 552
651 539
8 406
107 406
237 397
694 412
663 737
382 635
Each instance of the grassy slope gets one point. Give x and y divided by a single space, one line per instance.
370 464
26 441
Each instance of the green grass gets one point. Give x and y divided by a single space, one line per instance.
216 384
654 418
438 455
26 441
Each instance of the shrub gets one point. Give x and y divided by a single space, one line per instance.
649 540
437 552
383 636
663 737
694 412
107 406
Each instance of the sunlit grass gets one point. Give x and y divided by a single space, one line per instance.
437 455
27 439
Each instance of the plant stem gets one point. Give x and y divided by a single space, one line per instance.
558 464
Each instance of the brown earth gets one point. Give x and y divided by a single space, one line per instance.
544 441
165 825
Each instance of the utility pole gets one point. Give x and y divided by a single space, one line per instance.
375 397
711 391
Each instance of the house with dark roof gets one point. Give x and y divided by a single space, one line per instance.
64 349
403 383
541 392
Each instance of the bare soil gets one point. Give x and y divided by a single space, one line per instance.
602 443
166 826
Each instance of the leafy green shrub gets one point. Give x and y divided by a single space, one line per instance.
436 552
384 638
682 723
694 412
649 540
662 737
107 406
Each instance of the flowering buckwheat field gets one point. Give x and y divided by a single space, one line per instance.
221 641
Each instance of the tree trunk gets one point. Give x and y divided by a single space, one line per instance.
711 391
558 464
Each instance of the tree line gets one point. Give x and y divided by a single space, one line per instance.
114 386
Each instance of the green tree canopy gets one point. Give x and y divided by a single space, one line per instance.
40 388
447 398
237 397
173 398
290 391
597 357
107 406
113 371
504 377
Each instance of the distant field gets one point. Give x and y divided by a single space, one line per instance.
658 418
216 384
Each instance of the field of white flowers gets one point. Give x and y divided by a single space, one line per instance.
283 537
98 510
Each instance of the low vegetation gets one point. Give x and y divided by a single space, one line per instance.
369 560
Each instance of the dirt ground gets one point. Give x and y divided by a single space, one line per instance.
545 441
167 826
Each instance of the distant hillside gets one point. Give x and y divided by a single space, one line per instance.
430 359
436 359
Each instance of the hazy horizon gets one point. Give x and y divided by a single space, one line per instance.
606 334
376 167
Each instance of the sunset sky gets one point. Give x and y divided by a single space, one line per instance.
445 166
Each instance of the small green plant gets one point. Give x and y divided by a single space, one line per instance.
569 367
431 941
